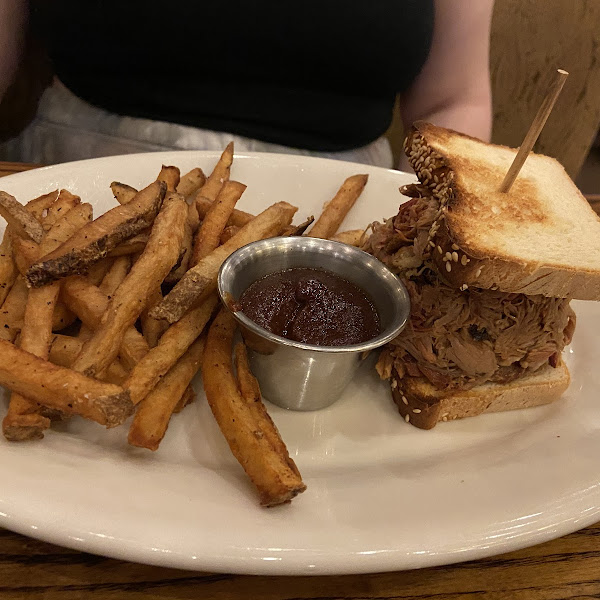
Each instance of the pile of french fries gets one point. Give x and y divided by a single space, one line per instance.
112 317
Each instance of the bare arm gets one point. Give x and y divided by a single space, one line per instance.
13 23
453 88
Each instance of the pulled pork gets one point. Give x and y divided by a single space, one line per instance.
461 339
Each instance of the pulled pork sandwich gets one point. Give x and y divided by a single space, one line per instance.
490 277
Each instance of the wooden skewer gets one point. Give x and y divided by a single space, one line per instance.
534 131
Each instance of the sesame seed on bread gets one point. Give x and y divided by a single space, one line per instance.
422 405
542 237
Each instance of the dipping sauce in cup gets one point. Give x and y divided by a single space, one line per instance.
300 375
312 306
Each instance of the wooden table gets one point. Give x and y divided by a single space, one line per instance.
565 568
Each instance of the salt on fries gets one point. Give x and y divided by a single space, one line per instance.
128 350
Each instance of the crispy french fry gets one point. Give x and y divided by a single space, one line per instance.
185 253
219 175
152 417
94 241
201 280
152 328
63 204
146 275
25 253
353 237
191 182
171 346
89 304
40 205
170 175
8 267
336 210
298 229
215 220
269 471
122 192
239 218
188 396
228 233
250 391
13 309
62 317
62 389
99 270
64 350
193 217
131 246
21 222
115 275
36 332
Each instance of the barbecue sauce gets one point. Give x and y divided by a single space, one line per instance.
312 306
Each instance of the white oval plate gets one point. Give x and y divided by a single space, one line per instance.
382 495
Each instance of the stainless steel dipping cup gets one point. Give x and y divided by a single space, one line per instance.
304 376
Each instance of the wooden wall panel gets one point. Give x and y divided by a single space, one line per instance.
531 38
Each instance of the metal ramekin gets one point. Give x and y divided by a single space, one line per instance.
304 376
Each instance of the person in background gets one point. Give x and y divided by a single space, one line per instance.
316 77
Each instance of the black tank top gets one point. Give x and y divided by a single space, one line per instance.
316 74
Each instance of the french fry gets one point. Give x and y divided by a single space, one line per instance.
94 241
250 391
146 275
122 192
131 246
62 389
99 270
336 210
89 304
268 470
219 175
188 396
13 309
36 332
152 416
25 253
8 264
353 237
193 217
62 317
239 218
201 280
65 202
8 267
185 254
215 220
171 346
298 229
191 182
170 176
21 222
151 328
64 350
115 275
40 205
228 233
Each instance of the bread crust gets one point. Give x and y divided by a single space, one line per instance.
422 405
461 256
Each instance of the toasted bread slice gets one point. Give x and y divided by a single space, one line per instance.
421 404
542 237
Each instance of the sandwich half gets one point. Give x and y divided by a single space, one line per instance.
490 276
